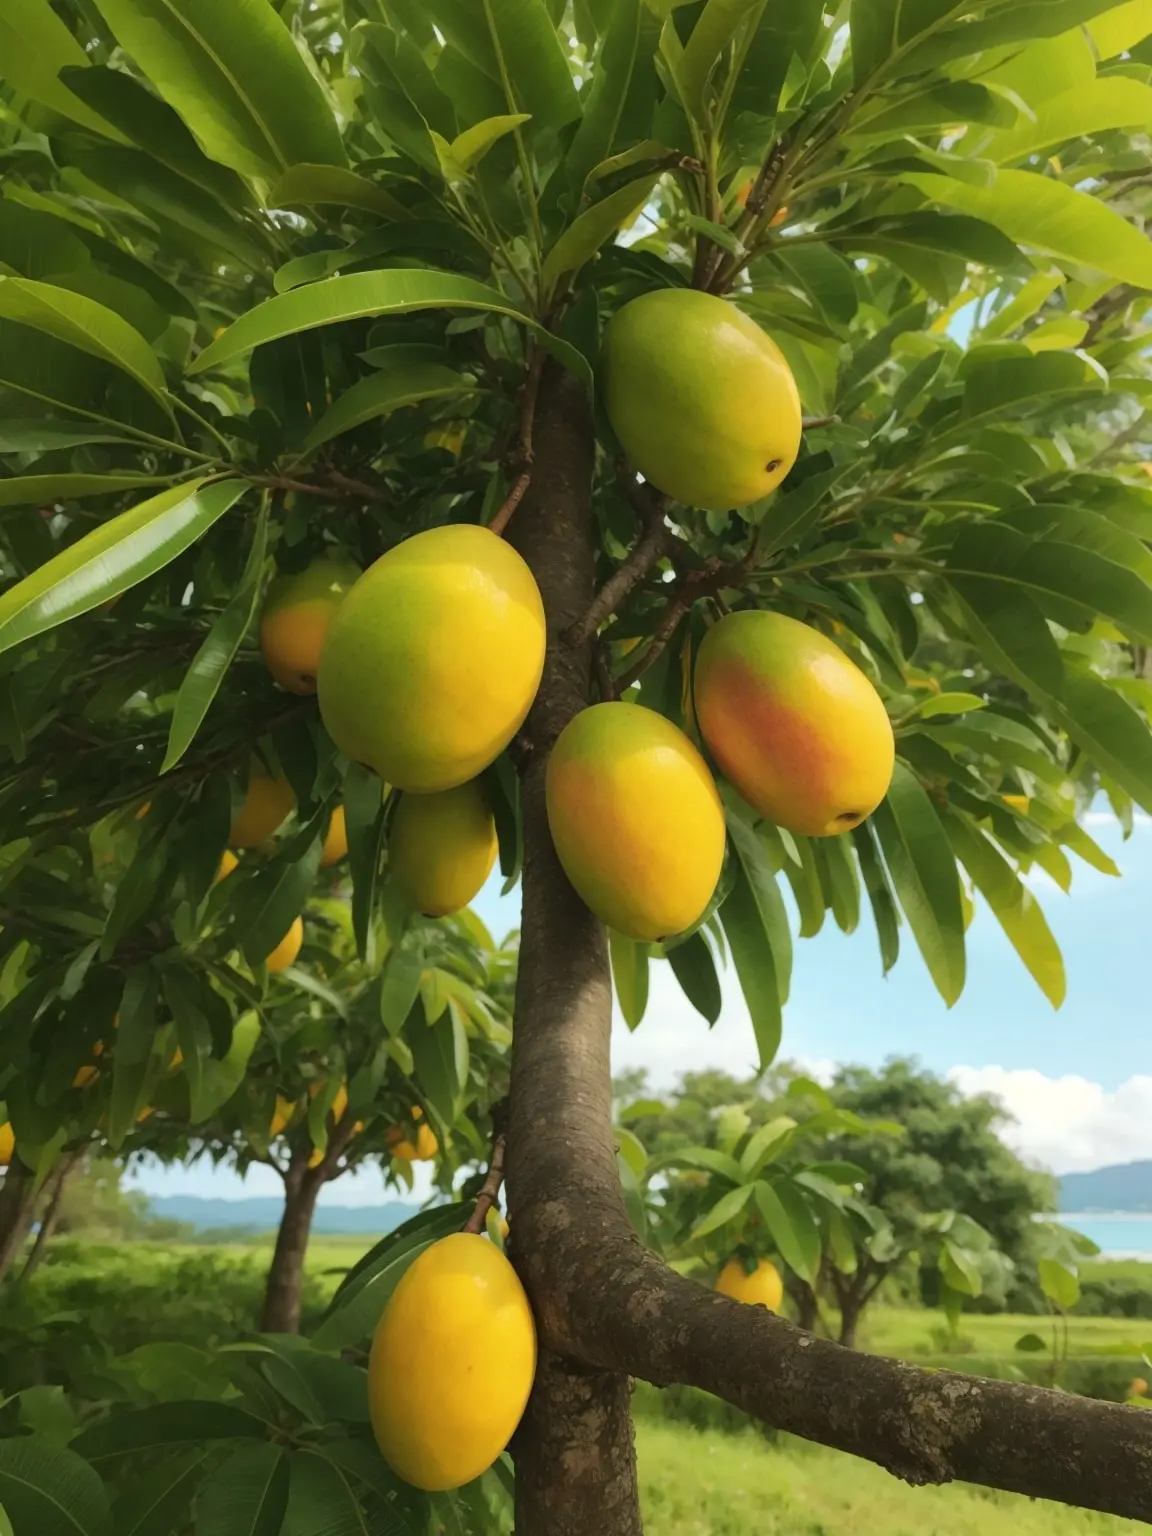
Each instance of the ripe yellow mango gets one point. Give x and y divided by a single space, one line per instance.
267 805
442 848
702 400
793 723
335 840
421 1148
762 1288
434 658
281 1116
636 819
7 1144
298 612
452 1364
287 949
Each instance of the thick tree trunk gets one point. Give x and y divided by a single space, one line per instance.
606 1308
17 1209
285 1288
849 1321
807 1305
574 1459
51 1215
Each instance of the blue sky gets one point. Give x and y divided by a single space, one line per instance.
1079 1081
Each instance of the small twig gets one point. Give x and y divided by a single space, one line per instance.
515 496
604 683
490 1191
356 487
704 582
810 422
528 406
627 576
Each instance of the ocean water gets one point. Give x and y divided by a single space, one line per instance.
1119 1236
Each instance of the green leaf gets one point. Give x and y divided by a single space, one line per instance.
146 1429
630 975
1010 633
117 555
752 855
82 323
1013 904
44 490
357 295
515 43
133 1053
743 920
718 23
708 1159
726 1209
695 969
1030 1343
606 105
960 1269
440 1056
321 1501
1059 1283
383 392
1090 108
210 664
365 817
47 1491
399 988
584 237
946 704
319 185
789 1222
276 896
389 1257
36 46
1113 734
923 870
470 147
160 1499
765 1144
246 1495
231 70
1045 215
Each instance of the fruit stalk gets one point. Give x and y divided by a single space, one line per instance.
490 1190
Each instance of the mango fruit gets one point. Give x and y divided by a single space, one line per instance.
281 1116
287 949
298 612
7 1144
702 400
267 804
421 1148
228 862
762 1288
793 723
335 840
434 658
636 819
339 1103
452 1364
441 848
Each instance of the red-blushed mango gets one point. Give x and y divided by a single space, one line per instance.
287 949
441 848
298 613
636 819
267 804
418 1147
434 658
452 1363
762 1288
335 839
793 723
702 400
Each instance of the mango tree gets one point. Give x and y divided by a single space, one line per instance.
300 282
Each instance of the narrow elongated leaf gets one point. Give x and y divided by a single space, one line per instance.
356 295
383 392
145 1429
1112 733
1045 215
321 1501
36 46
785 1214
726 1209
276 896
766 1143
714 30
82 323
117 555
470 147
710 1159
923 870
595 226
884 909
1009 631
1013 904
365 815
161 1499
246 1495
743 921
47 1491
318 185
607 100
134 1040
44 490
426 1227
695 970
630 975
232 71
752 854
515 43
1059 1283
1089 108
211 662
399 988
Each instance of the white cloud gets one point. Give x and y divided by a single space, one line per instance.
1067 1124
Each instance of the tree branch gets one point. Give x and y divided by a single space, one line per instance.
490 1191
640 561
515 496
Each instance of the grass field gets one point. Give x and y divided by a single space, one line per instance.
737 1485
904 1331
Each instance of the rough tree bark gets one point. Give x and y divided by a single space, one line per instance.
607 1309
284 1290
17 1209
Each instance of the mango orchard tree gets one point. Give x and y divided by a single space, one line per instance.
329 282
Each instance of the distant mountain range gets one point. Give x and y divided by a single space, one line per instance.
1121 1187
262 1214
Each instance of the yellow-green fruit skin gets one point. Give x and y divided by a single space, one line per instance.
636 819
793 723
298 612
442 848
762 1288
434 658
452 1364
267 804
703 402
7 1144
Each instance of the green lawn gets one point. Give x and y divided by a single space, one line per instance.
696 1484
907 1331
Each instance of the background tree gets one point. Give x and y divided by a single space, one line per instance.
219 224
